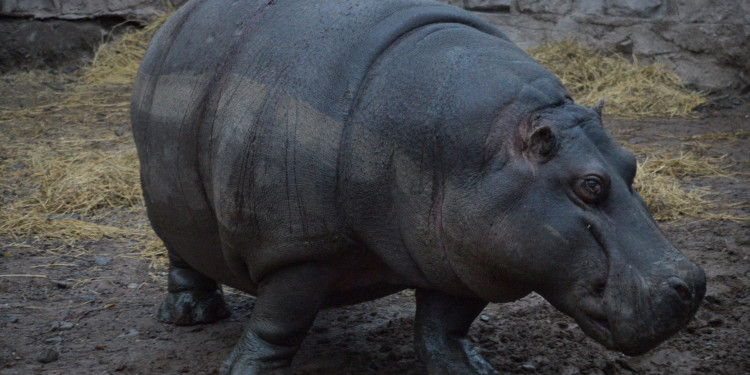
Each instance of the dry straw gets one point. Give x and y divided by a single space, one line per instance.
658 183
630 89
116 62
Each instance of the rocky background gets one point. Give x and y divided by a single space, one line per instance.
63 33
706 42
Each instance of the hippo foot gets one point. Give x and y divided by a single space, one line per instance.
457 357
253 355
441 325
188 308
193 298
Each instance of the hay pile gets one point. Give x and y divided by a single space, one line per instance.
116 62
65 185
630 89
66 178
658 183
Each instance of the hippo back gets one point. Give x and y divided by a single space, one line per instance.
239 113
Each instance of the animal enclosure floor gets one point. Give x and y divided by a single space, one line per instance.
88 307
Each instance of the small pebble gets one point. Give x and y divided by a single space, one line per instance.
88 297
119 131
62 284
53 340
130 333
62 326
102 261
132 286
10 319
528 367
484 318
48 355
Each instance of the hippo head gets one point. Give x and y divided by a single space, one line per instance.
555 212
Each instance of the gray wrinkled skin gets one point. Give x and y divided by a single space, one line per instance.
319 153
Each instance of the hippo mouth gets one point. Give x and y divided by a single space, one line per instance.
594 322
591 312
596 325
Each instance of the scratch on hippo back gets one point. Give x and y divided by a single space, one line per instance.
223 67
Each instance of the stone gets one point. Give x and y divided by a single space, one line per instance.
545 6
102 261
48 355
528 367
625 46
131 333
591 7
82 9
634 8
707 50
33 44
62 326
488 5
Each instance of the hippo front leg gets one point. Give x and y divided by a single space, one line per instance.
441 324
193 297
287 303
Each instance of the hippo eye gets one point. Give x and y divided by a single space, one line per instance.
593 185
590 189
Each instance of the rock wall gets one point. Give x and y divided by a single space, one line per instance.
137 10
62 33
706 42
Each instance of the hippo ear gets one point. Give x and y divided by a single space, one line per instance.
598 107
542 143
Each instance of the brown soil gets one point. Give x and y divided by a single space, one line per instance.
93 304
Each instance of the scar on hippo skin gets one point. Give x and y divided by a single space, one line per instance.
193 298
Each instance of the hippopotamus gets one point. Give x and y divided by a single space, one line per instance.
322 153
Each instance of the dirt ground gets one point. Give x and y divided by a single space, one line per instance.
89 307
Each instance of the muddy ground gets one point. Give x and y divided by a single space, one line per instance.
89 307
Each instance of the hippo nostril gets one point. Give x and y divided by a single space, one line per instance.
681 288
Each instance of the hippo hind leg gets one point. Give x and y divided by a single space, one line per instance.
287 303
441 324
193 297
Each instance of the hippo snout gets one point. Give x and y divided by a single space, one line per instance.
658 308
